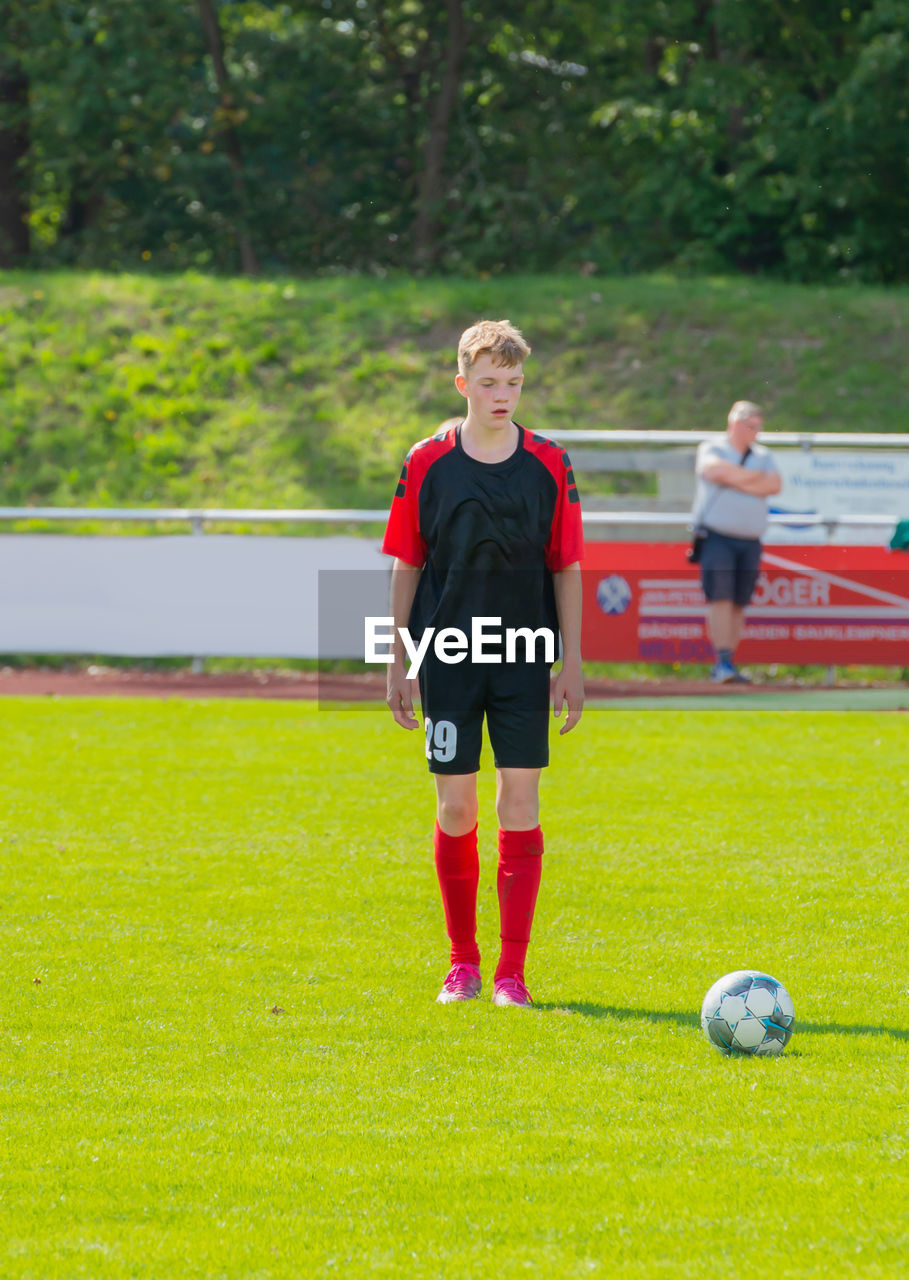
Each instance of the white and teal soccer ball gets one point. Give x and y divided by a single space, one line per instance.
748 1012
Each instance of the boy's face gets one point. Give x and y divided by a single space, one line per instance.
491 390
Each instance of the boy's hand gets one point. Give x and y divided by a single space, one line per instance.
569 688
400 697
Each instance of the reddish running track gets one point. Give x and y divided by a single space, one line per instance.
335 687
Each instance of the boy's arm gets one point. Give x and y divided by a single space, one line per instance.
400 690
569 685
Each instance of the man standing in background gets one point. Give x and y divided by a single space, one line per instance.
735 477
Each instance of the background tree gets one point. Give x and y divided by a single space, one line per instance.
229 116
692 134
15 238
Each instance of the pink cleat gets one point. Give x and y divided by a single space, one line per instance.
511 991
463 983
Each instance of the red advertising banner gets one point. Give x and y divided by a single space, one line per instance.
827 605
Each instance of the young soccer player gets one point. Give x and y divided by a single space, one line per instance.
486 524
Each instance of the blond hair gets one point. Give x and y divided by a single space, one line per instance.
742 410
496 338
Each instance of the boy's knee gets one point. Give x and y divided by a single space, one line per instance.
458 814
518 814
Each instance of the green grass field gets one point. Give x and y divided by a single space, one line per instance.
220 1054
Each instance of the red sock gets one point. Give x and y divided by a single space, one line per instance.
458 869
520 865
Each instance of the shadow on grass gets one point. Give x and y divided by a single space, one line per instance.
836 1029
682 1019
589 1010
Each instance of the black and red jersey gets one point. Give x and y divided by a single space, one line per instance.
488 535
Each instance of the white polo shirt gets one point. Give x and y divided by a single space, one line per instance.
727 510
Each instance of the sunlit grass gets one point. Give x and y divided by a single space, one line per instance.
220 1053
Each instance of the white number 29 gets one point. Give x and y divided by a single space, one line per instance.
441 740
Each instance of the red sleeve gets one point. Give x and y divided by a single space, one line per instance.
402 533
566 539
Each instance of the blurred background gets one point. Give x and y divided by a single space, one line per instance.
350 135
239 240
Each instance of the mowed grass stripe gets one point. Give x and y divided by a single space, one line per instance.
174 873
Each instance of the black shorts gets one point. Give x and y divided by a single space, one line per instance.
730 567
513 696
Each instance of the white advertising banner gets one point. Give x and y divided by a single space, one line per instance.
838 483
216 595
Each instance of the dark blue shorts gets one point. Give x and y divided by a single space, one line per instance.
730 567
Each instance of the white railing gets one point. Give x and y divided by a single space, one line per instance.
790 519
773 439
197 517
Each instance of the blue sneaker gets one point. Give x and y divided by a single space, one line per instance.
723 673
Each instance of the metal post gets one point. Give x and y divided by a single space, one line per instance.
197 525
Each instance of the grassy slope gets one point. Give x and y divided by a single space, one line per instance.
142 390
172 878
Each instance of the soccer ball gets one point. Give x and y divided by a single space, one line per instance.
748 1012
